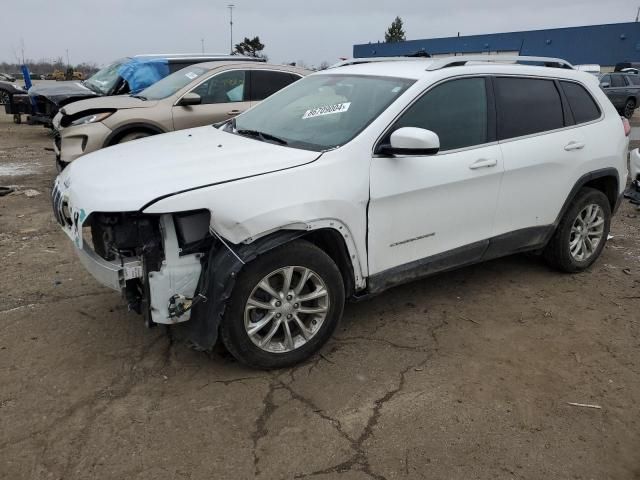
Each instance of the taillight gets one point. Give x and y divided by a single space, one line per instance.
627 126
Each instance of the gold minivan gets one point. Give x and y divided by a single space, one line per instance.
197 95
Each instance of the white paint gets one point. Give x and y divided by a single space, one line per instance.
253 188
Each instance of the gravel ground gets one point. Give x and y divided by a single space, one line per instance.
465 375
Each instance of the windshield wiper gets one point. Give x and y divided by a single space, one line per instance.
141 97
263 136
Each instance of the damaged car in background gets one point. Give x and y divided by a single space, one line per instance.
348 182
197 95
128 75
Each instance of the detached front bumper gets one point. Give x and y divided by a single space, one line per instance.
633 192
110 274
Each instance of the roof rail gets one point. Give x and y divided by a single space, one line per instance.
357 61
460 60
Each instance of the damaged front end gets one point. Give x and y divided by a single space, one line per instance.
171 268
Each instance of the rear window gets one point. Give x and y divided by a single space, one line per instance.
582 104
527 106
265 83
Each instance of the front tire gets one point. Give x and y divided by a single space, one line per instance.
284 307
5 97
582 232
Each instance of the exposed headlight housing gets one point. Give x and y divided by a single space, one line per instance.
92 118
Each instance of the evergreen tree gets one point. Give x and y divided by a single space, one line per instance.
251 47
395 33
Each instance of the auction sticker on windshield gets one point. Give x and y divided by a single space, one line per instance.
326 110
191 75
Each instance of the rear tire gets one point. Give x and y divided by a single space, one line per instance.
629 108
582 232
285 328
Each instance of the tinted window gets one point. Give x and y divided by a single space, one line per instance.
583 107
264 84
634 79
526 106
617 81
456 111
226 87
605 79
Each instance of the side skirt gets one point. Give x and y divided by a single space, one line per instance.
523 240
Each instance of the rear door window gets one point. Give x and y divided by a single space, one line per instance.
455 110
617 81
582 104
265 83
634 79
527 106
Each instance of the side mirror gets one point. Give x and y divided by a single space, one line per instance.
190 99
605 85
412 141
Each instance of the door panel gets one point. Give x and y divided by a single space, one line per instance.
423 206
223 96
540 155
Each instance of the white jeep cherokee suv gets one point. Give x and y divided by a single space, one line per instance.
353 180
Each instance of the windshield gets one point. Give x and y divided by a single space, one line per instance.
322 111
104 80
172 84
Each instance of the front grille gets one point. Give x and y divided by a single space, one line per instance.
56 199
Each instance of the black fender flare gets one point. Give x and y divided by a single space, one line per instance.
131 127
220 270
580 183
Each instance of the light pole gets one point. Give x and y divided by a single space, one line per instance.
230 7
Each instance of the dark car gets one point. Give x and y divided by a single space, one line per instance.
623 90
8 90
5 77
125 76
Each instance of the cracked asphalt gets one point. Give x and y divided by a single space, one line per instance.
467 375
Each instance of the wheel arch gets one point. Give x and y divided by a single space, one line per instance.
605 180
115 136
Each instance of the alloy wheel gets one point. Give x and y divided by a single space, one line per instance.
286 309
586 232
4 97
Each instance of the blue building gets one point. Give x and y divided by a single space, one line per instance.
605 45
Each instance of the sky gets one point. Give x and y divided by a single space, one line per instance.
292 30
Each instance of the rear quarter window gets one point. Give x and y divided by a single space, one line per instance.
527 106
582 104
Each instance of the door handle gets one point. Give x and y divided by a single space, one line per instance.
233 112
483 163
573 146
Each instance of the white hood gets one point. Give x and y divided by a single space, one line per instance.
127 177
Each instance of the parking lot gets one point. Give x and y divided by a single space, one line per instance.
465 375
